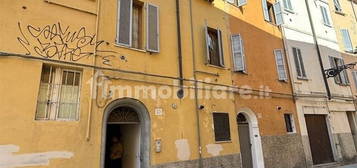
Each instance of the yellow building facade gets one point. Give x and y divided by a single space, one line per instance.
91 72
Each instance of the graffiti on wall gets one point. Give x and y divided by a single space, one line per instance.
55 41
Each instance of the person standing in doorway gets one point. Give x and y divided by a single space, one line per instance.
116 153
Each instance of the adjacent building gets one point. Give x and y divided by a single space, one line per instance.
323 105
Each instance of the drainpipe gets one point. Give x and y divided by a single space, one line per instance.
94 81
180 93
200 163
318 50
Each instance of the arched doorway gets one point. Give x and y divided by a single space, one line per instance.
126 135
244 141
250 140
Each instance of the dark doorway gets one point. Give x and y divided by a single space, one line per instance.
244 140
319 139
122 148
351 115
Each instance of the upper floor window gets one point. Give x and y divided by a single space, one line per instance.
272 12
287 5
299 64
280 65
238 53
214 47
337 5
221 127
130 29
341 78
325 16
354 75
58 97
347 40
238 2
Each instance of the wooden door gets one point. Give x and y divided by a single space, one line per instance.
319 139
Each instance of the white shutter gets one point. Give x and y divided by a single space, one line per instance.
208 42
238 53
346 40
265 10
125 22
343 74
153 42
220 47
280 65
242 2
278 14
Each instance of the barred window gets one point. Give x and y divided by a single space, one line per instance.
289 123
221 127
58 97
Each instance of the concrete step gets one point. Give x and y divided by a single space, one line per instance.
327 165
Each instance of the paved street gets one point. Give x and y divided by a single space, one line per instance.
349 166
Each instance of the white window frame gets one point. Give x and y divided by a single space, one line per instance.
278 14
283 64
347 40
292 120
54 99
300 62
288 5
325 16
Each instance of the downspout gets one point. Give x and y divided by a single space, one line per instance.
93 82
180 93
318 50
200 163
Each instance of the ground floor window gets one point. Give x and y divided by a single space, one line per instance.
221 127
59 91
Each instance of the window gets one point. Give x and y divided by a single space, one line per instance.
238 2
130 31
337 5
214 47
289 123
280 65
287 5
325 16
221 127
299 64
341 78
346 40
238 53
272 12
58 97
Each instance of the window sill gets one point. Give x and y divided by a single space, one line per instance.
330 26
130 48
291 133
216 66
283 81
222 142
289 11
340 13
241 72
302 79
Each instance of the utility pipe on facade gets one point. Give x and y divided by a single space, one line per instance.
197 109
180 93
318 50
94 81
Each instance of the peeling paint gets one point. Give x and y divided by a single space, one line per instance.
9 160
183 149
214 149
